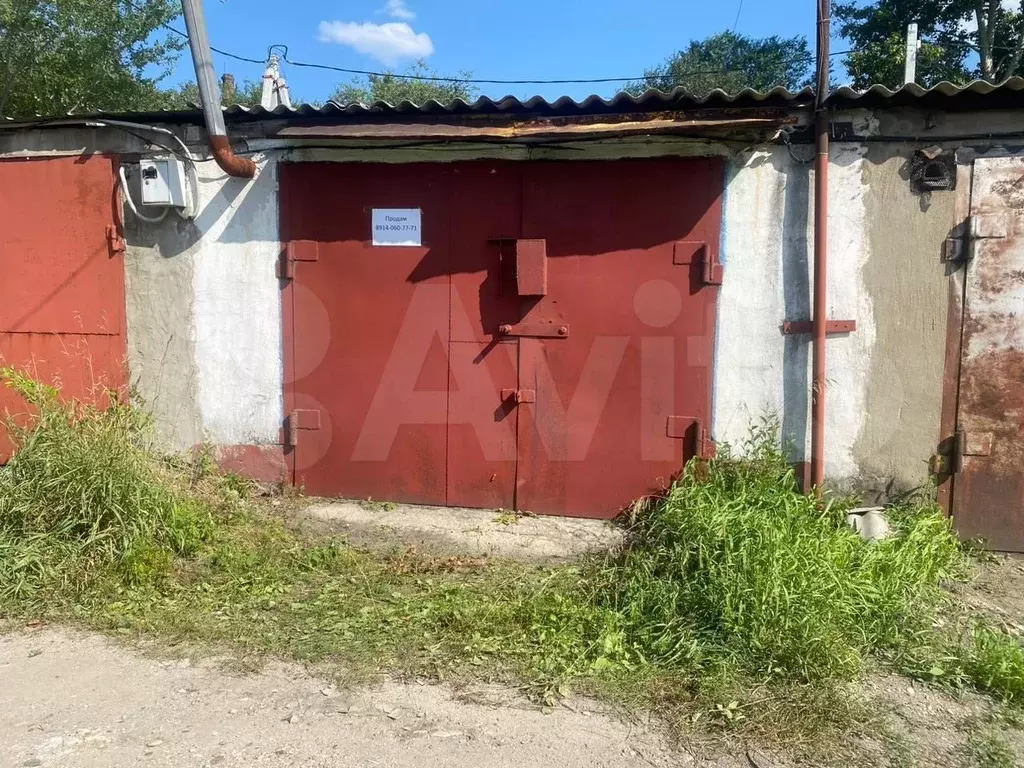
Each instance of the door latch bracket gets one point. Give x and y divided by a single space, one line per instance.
519 396
537 330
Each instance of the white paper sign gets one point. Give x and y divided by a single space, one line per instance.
397 226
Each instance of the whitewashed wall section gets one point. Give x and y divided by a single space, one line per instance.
759 372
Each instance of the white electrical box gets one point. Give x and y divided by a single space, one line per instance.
163 181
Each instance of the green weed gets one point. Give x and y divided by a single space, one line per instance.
987 749
83 494
735 569
740 602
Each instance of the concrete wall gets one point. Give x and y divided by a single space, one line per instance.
884 381
204 317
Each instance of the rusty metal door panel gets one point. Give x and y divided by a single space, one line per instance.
638 322
482 417
988 492
59 273
367 341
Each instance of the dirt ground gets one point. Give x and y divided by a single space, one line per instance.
70 698
458 531
74 699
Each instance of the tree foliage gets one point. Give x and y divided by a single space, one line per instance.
186 95
954 34
412 85
59 56
732 62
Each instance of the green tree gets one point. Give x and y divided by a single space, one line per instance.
732 62
59 56
953 33
186 95
410 86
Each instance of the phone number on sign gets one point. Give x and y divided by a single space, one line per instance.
394 228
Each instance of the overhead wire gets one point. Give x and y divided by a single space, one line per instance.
736 22
448 79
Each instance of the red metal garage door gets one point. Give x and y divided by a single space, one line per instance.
547 345
988 493
62 291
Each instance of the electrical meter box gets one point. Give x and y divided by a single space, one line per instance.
163 181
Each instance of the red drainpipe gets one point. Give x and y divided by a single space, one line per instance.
820 310
209 94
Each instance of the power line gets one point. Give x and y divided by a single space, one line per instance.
478 81
736 23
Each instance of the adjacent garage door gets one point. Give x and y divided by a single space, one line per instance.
62 290
520 335
988 493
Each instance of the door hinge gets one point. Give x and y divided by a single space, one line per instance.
116 242
296 420
981 226
293 251
687 252
519 395
949 458
711 268
687 427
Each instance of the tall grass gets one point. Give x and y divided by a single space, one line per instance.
736 569
734 576
82 495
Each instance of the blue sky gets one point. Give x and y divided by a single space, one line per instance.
501 39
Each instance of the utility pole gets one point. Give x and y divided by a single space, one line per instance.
275 89
910 65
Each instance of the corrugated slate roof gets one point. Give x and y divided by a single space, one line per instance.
976 95
649 101
979 94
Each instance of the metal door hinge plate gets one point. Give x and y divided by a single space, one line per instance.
712 271
687 252
116 242
977 443
299 419
949 458
688 427
981 226
296 250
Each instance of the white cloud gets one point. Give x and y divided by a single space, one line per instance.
397 9
388 43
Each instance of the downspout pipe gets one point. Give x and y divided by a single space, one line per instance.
820 302
209 94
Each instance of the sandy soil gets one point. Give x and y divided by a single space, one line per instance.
75 699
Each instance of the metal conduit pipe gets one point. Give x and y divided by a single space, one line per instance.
820 307
209 94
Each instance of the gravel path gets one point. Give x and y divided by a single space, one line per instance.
76 699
